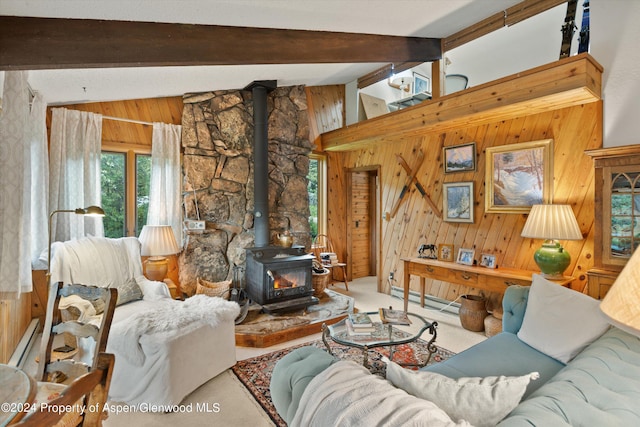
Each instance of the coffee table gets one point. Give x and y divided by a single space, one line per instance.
385 335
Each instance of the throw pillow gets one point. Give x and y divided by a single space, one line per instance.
130 291
479 401
560 322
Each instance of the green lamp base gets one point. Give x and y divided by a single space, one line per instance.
552 259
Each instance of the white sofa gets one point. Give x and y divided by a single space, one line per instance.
164 348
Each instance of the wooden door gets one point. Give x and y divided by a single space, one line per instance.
362 233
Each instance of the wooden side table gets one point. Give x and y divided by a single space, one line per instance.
173 289
488 279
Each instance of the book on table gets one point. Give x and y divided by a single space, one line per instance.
395 317
360 320
359 331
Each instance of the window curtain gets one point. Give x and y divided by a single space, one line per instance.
165 189
74 179
15 186
39 181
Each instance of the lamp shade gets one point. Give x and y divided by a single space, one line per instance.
556 222
622 303
158 240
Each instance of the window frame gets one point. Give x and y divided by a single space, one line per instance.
131 151
322 191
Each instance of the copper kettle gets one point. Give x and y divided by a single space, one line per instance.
285 239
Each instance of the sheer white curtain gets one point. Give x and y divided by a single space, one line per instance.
15 187
74 180
165 188
39 181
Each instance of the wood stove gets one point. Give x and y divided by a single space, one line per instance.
279 278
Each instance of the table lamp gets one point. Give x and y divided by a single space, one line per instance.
91 211
622 303
552 223
157 241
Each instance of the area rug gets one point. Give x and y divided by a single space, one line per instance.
255 373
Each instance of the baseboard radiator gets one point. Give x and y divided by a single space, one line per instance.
429 301
19 356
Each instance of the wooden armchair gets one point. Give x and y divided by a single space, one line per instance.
89 391
80 328
322 244
86 385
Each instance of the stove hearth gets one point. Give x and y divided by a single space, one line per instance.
279 278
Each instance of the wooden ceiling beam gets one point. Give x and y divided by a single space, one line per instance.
28 43
508 17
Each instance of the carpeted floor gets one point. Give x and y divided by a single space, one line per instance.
255 373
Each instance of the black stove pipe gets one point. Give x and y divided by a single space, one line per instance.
259 90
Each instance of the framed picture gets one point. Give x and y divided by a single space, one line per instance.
421 83
457 198
465 256
487 260
445 252
519 176
460 158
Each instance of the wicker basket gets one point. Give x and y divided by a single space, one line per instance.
213 289
320 281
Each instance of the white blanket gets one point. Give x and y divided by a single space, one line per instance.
168 315
347 394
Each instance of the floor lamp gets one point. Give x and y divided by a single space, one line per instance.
91 211
69 340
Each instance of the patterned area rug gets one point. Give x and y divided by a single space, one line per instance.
255 373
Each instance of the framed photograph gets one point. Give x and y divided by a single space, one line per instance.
457 198
487 260
445 252
465 256
421 83
519 176
460 158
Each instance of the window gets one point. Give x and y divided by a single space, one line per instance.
316 188
124 184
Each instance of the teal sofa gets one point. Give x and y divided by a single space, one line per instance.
598 387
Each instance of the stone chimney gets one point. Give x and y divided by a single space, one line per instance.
218 164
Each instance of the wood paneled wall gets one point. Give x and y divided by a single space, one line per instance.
326 110
573 129
15 316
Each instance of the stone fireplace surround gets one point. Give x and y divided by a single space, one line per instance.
217 139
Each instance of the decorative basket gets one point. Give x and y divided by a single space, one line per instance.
320 281
213 289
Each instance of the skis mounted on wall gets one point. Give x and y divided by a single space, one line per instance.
568 28
583 46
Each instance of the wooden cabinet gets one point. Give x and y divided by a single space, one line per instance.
617 213
617 205
600 281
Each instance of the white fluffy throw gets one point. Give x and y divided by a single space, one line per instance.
166 316
346 394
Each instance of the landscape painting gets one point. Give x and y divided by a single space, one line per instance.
518 176
461 158
458 201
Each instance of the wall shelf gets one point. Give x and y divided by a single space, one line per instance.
565 83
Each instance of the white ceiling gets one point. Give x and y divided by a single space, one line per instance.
423 18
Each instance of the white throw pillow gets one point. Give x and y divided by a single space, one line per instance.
479 401
560 322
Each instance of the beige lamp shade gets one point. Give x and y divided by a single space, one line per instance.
157 242
622 303
556 222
